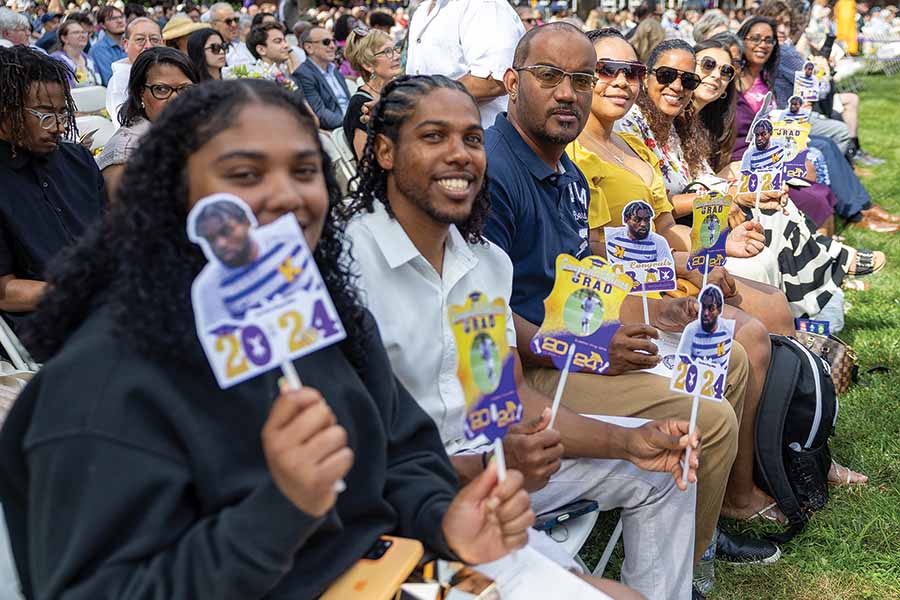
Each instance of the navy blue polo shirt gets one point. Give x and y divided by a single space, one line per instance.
537 213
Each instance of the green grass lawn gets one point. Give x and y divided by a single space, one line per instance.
851 549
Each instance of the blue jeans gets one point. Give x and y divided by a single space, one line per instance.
852 197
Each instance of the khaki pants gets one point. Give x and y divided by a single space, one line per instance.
648 396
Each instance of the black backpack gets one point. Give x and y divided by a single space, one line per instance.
795 418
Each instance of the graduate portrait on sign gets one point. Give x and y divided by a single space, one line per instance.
764 153
806 84
795 110
644 254
703 355
792 132
709 232
763 162
485 365
260 300
581 314
709 337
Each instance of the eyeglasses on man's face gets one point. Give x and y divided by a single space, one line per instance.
48 121
550 77
143 40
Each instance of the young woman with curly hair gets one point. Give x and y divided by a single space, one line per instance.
167 485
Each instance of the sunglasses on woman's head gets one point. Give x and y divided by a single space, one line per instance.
607 69
667 75
218 48
726 70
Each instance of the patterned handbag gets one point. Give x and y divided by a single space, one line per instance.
837 353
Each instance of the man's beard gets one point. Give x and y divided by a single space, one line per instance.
420 198
636 235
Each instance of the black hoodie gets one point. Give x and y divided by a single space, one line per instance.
126 478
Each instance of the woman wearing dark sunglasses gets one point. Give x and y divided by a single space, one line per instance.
207 51
618 166
662 119
158 75
716 97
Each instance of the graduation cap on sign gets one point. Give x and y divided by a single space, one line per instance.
761 115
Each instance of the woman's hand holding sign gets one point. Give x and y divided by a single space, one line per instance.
488 519
768 200
306 450
746 240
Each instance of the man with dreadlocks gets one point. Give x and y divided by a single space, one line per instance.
416 237
52 189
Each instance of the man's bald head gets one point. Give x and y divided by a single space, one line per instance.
544 100
557 27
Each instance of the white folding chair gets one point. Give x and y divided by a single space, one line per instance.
103 126
22 366
15 350
343 170
573 534
90 99
343 145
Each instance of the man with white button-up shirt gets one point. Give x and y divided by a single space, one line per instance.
418 249
472 41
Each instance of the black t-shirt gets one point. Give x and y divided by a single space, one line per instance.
46 203
353 116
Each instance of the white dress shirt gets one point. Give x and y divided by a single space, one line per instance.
463 37
117 88
239 54
409 300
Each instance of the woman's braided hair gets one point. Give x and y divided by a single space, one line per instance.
138 261
398 102
21 66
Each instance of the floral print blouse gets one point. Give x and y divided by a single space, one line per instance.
672 163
